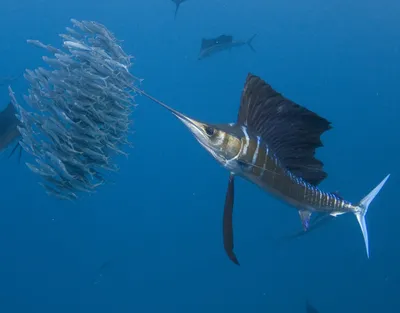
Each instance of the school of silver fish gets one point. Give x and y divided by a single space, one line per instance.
80 108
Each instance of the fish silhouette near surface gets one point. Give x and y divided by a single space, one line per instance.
272 144
221 43
310 308
9 132
177 5
101 271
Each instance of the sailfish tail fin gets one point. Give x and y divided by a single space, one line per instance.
250 41
363 209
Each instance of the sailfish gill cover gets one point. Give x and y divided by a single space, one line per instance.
80 110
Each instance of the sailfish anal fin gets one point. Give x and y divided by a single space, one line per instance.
305 218
227 221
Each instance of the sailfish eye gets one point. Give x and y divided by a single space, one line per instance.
209 131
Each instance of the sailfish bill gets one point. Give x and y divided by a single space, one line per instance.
273 144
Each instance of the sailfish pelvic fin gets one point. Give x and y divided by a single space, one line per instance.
227 225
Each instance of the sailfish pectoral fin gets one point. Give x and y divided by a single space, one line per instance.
227 221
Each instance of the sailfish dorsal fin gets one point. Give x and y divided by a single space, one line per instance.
291 131
224 39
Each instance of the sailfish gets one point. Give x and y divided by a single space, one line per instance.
9 132
211 46
272 144
177 5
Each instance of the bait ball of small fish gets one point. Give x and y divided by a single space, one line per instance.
81 110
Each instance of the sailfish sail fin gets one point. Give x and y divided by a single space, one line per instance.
291 131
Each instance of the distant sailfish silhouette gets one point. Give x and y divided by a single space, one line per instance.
100 272
177 3
9 129
310 308
221 43
9 122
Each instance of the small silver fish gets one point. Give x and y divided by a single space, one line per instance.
76 45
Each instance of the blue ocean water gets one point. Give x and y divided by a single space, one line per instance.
152 241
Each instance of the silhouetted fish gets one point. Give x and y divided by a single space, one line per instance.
9 129
272 144
221 43
100 272
108 265
177 4
310 308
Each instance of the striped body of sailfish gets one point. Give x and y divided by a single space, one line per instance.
272 144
